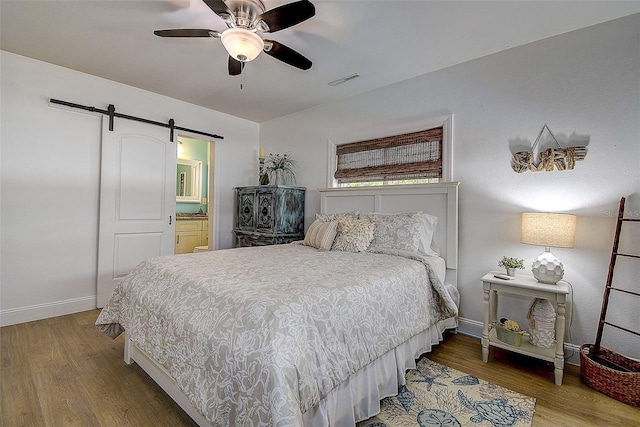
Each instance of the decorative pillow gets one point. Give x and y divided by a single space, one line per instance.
326 217
396 231
354 235
428 229
320 234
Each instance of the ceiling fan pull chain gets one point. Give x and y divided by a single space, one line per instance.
242 76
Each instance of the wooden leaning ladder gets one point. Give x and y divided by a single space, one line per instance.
608 288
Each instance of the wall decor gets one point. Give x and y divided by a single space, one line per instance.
559 158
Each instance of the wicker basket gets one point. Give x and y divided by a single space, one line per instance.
509 337
621 385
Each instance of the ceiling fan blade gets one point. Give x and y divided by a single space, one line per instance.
287 15
286 55
187 33
219 7
235 66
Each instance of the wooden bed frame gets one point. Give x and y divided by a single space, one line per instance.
440 200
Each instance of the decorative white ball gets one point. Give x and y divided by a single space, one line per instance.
547 268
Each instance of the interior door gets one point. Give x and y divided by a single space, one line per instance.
137 200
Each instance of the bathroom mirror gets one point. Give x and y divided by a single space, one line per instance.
188 181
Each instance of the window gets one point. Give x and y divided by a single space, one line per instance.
410 158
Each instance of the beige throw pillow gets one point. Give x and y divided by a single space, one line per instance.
320 234
354 235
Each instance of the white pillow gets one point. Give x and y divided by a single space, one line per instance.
396 231
320 234
354 235
428 229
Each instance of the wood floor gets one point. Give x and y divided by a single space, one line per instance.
64 372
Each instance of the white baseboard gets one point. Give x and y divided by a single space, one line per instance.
30 313
473 328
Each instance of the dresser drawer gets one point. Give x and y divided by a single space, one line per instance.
188 225
245 214
265 214
256 239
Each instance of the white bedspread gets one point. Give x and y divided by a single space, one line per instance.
257 336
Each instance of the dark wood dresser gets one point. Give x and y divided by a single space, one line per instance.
268 215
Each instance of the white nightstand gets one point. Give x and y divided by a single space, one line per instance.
525 286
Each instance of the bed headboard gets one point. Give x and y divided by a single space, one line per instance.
439 199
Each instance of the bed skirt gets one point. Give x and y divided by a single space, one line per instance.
359 397
355 400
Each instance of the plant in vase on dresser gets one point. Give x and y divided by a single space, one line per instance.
280 169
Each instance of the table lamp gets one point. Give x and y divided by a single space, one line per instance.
548 230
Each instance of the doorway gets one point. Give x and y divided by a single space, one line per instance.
194 195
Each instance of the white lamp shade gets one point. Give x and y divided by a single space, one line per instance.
548 229
242 44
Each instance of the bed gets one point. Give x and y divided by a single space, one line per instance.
293 335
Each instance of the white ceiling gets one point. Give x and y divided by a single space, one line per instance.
384 41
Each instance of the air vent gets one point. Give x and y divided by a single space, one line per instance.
344 79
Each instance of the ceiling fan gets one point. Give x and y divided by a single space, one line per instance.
244 18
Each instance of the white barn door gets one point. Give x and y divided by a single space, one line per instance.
137 200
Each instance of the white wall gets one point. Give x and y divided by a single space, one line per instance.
582 84
50 161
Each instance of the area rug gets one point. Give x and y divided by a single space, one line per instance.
436 395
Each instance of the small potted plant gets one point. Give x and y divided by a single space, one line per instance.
510 264
509 332
279 168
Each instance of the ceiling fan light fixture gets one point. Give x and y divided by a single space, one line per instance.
242 44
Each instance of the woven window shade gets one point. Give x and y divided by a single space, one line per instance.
412 155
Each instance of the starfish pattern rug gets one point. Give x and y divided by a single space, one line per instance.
436 395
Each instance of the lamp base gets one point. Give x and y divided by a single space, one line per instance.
547 268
